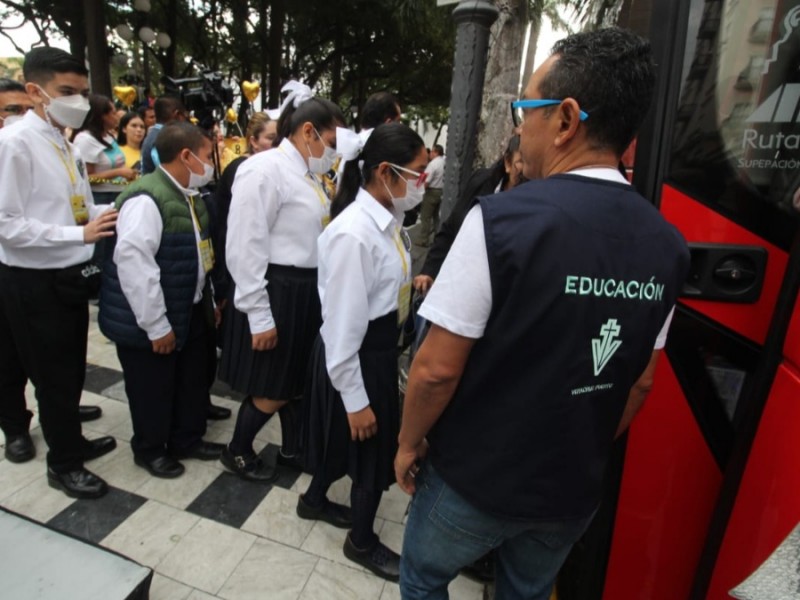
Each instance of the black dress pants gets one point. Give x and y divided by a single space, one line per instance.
168 393
43 337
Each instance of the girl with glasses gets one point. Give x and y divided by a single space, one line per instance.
352 412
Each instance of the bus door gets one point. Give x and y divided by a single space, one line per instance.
707 483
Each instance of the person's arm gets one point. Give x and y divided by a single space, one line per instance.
458 306
126 172
254 206
432 381
345 316
638 393
138 240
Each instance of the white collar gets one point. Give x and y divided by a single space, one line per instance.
604 173
382 217
188 192
297 161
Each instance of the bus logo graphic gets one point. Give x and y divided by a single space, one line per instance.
790 23
605 347
779 107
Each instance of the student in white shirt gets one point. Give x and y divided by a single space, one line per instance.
352 413
278 209
105 160
156 303
48 227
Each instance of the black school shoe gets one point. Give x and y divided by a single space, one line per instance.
79 483
20 448
202 450
331 513
249 467
379 559
164 467
89 413
217 413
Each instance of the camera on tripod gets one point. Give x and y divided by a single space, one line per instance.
203 94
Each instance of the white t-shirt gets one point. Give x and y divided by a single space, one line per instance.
460 299
102 157
435 171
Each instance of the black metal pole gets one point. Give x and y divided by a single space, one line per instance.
473 19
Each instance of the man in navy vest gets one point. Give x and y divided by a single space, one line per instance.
548 317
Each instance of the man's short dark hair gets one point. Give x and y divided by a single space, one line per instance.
10 85
378 108
143 111
165 107
41 64
177 136
611 74
438 149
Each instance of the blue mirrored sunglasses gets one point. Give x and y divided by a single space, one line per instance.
517 107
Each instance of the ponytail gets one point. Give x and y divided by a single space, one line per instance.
348 188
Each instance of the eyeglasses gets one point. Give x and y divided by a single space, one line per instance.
518 108
16 109
419 178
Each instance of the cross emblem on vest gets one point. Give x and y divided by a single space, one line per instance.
603 348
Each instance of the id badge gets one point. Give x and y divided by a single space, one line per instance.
79 209
403 303
207 255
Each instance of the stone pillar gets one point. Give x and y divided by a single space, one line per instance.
473 19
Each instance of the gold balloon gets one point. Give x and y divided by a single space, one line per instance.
250 89
231 116
126 94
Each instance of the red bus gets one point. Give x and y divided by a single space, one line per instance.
706 484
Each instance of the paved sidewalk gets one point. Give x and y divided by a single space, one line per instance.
206 534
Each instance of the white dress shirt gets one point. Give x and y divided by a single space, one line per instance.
139 229
363 263
277 213
460 299
435 171
37 225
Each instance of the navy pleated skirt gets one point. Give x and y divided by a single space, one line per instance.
326 432
280 373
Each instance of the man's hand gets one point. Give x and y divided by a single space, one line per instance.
101 227
165 345
405 465
422 283
266 340
363 424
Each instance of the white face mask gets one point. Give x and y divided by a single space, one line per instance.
413 196
67 111
197 181
10 120
323 164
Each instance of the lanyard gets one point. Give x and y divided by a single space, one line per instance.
69 164
194 216
400 248
323 199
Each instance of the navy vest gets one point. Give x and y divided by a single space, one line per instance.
583 275
176 259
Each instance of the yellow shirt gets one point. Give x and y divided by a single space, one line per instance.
132 156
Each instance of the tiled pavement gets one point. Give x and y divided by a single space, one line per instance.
206 534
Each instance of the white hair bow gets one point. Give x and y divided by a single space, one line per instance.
349 143
299 92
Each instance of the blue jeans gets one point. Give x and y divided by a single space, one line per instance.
445 533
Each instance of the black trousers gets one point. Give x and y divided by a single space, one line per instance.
168 393
43 337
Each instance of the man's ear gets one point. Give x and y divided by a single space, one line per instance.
569 118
